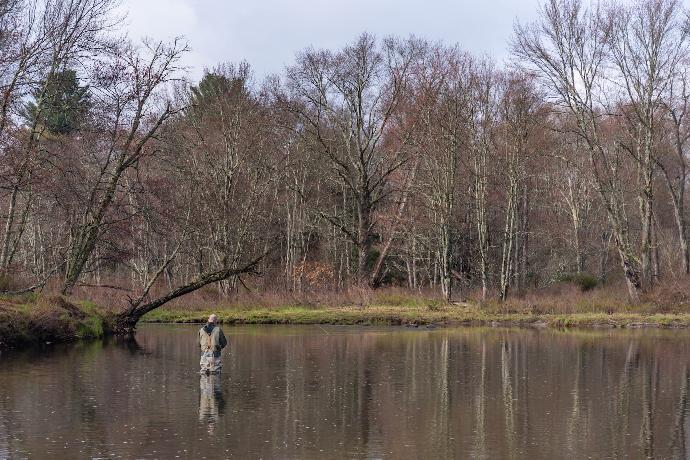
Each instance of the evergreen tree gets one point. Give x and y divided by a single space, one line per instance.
211 86
64 104
224 83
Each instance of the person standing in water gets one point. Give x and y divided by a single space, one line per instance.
212 341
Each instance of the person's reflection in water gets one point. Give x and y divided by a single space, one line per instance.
211 401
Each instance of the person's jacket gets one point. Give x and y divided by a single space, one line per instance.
211 338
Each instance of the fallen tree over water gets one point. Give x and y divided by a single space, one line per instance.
126 321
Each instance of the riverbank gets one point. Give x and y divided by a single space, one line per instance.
435 316
26 320
31 321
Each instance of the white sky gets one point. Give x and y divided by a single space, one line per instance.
268 33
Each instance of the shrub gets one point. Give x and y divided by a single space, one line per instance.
435 306
8 283
585 281
673 296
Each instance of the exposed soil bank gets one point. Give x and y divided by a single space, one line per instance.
48 320
420 316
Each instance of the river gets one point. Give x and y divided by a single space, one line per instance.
319 392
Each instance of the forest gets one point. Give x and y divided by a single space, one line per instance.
392 162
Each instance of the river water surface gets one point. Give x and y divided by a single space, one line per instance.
293 392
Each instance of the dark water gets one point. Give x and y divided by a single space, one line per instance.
315 393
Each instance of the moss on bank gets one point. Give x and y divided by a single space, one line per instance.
36 321
433 315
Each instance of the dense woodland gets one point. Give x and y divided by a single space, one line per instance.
390 162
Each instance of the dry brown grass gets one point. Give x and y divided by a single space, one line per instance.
672 296
353 297
569 299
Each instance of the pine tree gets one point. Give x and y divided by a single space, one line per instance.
60 104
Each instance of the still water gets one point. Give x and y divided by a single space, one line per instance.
337 392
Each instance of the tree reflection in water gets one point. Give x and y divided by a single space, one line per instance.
298 392
128 342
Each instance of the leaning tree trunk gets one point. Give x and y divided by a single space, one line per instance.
678 196
678 202
377 271
126 321
609 190
631 270
85 240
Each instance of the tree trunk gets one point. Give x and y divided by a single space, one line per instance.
631 270
85 240
480 186
524 254
9 223
646 210
126 321
508 242
445 262
375 280
604 256
678 202
364 244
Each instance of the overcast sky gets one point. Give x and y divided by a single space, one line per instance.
268 33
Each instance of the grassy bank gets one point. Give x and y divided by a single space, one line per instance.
37 320
27 320
434 315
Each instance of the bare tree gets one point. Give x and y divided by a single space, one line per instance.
221 152
672 161
484 122
448 86
345 102
518 109
573 185
50 35
649 39
129 82
568 50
